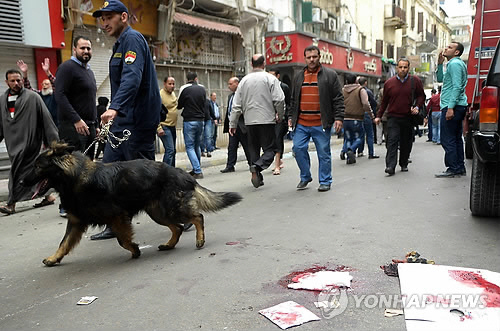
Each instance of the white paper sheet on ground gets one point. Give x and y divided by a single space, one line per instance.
438 297
288 314
320 280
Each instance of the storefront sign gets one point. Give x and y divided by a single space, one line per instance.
279 48
289 49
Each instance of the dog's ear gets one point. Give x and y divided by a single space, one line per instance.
60 148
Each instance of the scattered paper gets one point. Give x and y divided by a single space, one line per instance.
86 300
288 314
438 297
393 312
320 280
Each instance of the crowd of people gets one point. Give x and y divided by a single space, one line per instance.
260 111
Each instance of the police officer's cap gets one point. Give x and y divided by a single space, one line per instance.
111 6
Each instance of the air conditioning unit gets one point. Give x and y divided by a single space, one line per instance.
331 24
316 15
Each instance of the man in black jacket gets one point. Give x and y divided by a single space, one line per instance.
192 99
241 131
317 105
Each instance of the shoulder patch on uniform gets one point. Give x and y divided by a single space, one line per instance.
117 55
130 57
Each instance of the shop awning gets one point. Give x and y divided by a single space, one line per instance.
206 24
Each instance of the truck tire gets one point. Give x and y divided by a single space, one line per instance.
469 152
485 188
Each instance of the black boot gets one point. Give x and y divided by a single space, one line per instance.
106 234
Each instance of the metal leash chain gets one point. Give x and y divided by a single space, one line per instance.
106 134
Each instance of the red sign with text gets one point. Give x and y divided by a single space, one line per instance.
289 49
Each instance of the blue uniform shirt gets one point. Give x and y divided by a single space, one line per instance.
134 87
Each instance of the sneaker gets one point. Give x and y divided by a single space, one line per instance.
62 212
447 174
197 176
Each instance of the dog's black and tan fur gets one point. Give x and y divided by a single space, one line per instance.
96 194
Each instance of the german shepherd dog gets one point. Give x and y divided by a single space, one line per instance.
96 194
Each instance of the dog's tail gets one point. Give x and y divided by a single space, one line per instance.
209 201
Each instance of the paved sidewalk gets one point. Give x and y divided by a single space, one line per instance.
219 158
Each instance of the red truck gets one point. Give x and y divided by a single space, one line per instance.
483 92
486 33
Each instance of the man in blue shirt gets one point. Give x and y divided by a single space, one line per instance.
453 106
135 97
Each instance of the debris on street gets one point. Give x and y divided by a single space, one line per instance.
391 269
449 298
86 300
320 280
288 314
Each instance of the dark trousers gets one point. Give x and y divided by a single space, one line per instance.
281 129
399 133
232 148
451 139
68 134
261 136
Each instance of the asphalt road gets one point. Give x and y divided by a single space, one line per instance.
251 250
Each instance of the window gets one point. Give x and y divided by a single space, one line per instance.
412 17
420 22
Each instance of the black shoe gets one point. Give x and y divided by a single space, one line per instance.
302 185
404 169
342 156
373 156
361 154
187 226
226 170
257 180
324 188
106 234
351 157
390 171
428 141
409 160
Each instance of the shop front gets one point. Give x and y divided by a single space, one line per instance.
286 53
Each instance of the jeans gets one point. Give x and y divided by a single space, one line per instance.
436 126
451 139
193 135
208 133
168 140
368 133
353 133
321 139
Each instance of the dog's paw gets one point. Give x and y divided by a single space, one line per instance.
165 247
200 243
50 261
137 251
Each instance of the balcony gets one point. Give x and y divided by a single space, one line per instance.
427 42
394 16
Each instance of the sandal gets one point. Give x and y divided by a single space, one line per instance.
276 171
7 210
43 203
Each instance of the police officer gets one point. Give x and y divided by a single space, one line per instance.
135 97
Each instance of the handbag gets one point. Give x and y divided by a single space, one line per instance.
417 119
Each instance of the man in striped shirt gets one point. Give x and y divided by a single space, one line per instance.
317 105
